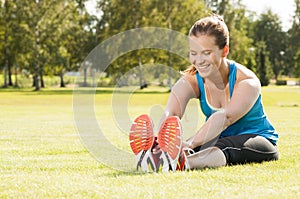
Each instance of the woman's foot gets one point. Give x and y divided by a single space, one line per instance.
141 141
170 141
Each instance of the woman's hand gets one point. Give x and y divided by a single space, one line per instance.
185 148
185 144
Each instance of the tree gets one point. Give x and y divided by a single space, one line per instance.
268 29
238 25
8 17
15 37
52 37
118 17
296 60
46 32
294 41
70 38
263 72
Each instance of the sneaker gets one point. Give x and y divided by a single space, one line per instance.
182 160
141 141
156 155
170 141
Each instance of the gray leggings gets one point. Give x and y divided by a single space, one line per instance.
247 148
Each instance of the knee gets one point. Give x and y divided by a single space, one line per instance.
260 144
260 149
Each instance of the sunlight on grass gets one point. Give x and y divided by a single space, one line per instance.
42 155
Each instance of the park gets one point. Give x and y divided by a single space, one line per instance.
71 84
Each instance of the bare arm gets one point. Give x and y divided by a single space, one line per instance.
184 90
244 96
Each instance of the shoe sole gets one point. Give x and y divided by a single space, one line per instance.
141 140
170 141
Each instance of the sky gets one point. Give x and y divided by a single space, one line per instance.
284 8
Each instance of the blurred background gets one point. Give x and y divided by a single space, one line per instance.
43 43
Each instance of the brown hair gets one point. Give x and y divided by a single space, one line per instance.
212 26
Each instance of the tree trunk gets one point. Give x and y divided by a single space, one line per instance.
36 83
142 82
33 81
37 67
16 77
169 47
42 78
62 83
5 75
85 77
10 83
263 72
6 45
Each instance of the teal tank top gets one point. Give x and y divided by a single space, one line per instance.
253 122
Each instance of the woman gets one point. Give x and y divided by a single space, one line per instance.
236 130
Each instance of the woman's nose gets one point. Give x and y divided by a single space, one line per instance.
198 60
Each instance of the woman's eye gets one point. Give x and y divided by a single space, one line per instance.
206 53
193 53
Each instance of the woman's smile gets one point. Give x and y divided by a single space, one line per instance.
202 67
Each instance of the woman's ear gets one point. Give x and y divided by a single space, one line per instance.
225 51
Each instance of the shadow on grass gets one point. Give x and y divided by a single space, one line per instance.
116 173
70 91
263 164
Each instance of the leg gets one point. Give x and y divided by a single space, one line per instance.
247 148
238 149
211 157
258 149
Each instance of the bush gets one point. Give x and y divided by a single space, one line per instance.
281 82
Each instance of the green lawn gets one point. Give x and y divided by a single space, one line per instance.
42 156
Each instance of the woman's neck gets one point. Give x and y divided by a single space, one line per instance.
220 77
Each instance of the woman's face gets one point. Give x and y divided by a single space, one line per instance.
205 55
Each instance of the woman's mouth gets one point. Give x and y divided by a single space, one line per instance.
201 67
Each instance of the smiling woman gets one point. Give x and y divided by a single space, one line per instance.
204 56
236 130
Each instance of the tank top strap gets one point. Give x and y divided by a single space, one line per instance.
201 86
232 76
206 108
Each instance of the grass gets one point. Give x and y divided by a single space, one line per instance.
42 155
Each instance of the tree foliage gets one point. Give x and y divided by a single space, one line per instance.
53 37
294 42
172 14
45 37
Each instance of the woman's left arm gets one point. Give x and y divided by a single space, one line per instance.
245 94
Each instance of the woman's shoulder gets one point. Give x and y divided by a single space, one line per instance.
242 72
191 79
246 76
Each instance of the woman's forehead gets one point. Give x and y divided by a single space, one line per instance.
202 42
